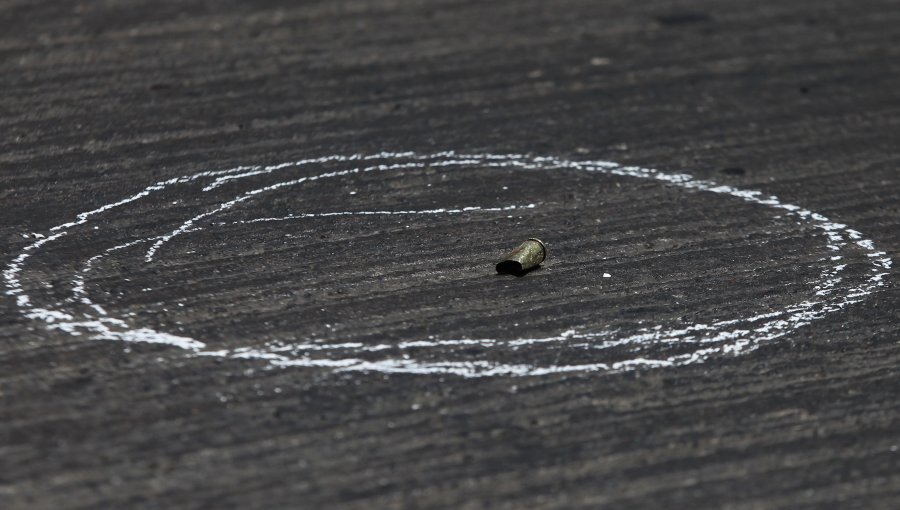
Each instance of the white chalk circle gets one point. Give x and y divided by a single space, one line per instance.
79 315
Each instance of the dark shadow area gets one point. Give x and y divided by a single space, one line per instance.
514 268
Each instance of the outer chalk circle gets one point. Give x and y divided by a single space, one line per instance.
726 337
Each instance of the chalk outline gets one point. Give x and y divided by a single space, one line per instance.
771 325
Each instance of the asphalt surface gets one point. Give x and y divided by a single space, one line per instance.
332 334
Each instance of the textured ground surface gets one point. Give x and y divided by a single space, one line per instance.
100 100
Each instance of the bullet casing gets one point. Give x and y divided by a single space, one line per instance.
523 258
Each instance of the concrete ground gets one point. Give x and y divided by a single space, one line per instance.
248 254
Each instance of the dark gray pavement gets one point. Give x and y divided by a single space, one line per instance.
797 99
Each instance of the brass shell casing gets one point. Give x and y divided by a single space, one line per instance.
523 258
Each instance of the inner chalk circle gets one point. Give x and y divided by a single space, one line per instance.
726 337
